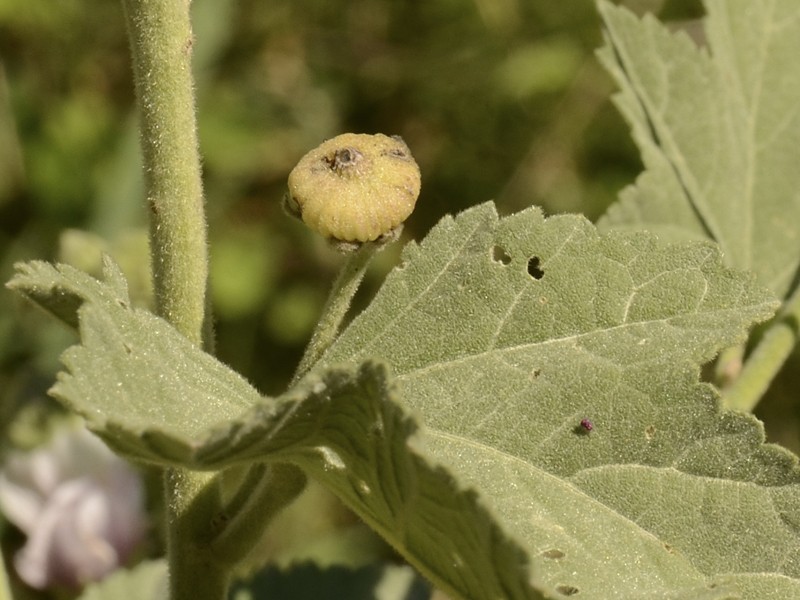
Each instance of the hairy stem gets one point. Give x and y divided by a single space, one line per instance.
192 504
767 358
161 46
264 491
336 306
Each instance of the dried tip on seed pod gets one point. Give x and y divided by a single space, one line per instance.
355 187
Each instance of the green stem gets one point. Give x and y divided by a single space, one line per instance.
192 505
336 307
263 493
161 47
767 358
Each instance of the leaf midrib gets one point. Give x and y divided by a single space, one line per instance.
559 340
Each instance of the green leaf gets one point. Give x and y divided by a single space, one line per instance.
145 388
506 333
61 290
146 581
155 397
718 129
523 301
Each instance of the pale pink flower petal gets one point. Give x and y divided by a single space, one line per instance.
80 505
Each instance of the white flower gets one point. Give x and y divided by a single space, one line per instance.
80 505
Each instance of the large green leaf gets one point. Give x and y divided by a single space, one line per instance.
718 129
506 333
155 397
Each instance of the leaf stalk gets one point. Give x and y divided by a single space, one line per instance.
161 41
161 48
336 307
766 358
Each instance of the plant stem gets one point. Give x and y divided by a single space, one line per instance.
192 504
161 44
336 306
767 358
263 493
161 47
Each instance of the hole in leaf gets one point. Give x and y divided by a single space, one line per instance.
553 553
500 255
567 590
533 268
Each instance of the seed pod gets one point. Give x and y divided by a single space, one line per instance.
355 187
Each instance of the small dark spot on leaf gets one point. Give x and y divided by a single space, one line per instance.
567 590
669 548
128 349
584 427
122 303
500 255
649 432
535 373
553 553
533 268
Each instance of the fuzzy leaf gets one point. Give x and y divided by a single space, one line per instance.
718 129
506 333
62 289
155 397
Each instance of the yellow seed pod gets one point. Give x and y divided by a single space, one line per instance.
355 187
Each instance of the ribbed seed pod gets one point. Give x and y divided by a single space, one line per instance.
355 187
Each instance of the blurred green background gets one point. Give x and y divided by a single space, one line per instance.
498 99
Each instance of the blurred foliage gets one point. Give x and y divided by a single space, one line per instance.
498 99
308 581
